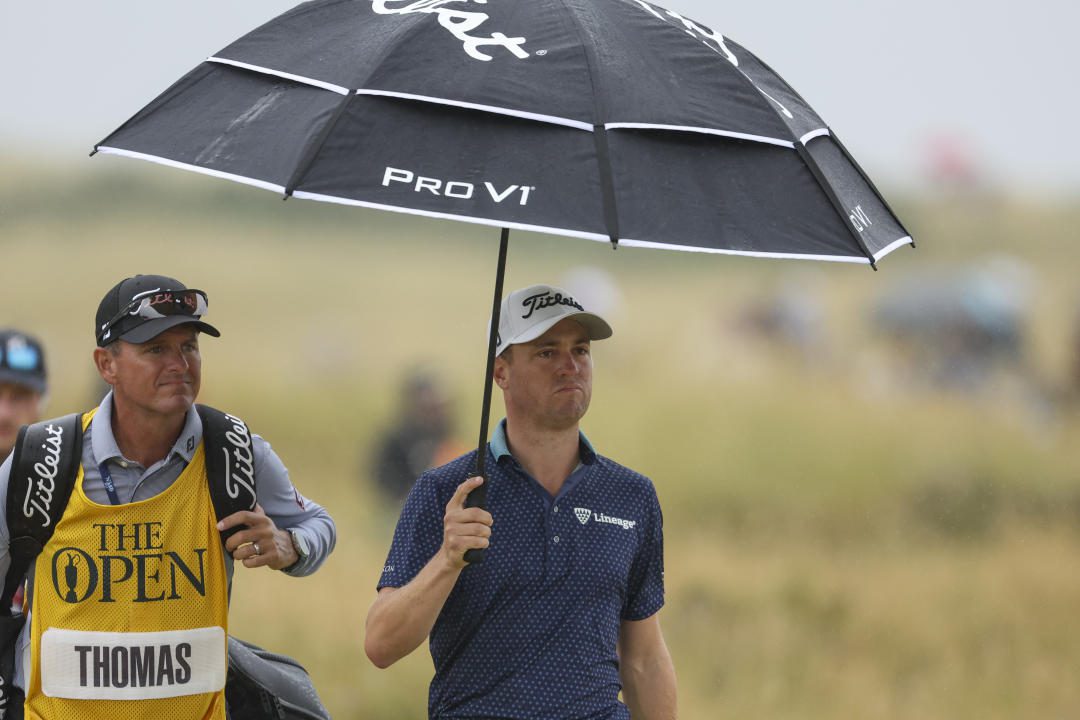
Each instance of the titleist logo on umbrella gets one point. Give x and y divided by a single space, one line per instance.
544 300
705 35
459 22
693 29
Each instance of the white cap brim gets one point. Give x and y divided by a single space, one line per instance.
596 326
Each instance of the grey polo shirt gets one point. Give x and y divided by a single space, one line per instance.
278 497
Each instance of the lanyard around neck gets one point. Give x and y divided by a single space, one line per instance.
107 481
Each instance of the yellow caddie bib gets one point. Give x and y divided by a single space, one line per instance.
130 608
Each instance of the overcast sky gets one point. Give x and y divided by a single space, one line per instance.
889 77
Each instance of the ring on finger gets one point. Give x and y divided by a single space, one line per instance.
257 550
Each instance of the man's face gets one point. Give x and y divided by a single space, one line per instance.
160 376
19 405
548 382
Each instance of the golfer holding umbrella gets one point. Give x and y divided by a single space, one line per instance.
564 610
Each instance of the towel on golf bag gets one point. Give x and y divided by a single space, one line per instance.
263 685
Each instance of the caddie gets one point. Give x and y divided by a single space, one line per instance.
128 600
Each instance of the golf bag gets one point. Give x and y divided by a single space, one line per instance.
260 685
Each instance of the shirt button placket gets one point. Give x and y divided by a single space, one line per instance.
555 544
558 536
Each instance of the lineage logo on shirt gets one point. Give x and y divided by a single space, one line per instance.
585 514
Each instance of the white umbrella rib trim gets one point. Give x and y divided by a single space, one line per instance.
277 73
194 168
704 131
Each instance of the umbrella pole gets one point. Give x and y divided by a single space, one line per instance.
478 497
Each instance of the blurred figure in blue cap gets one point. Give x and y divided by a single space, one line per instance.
23 385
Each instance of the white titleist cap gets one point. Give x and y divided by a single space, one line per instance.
528 313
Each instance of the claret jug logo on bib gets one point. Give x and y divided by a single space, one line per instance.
129 565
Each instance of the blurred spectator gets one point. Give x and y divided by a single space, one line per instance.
1074 360
787 318
23 388
956 330
22 385
421 437
790 318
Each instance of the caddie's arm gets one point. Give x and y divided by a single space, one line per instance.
402 618
281 513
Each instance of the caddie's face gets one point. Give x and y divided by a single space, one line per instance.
19 405
160 376
548 382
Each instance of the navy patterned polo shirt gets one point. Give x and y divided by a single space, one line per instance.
531 632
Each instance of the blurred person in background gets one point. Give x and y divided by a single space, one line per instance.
790 317
960 330
23 389
141 529
23 385
1074 349
421 437
563 612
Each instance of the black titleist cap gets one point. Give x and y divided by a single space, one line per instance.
22 360
140 308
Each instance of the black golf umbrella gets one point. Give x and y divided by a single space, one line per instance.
609 120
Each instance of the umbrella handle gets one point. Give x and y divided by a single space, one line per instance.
478 497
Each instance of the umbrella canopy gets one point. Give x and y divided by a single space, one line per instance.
612 120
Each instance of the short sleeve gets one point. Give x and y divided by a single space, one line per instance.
645 590
418 534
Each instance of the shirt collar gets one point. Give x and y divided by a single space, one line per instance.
500 448
104 442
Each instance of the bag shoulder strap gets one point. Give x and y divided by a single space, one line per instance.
230 463
43 470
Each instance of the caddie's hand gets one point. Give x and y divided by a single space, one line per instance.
260 543
464 528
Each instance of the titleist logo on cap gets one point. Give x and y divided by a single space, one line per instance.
545 300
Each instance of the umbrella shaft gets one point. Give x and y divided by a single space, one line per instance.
478 497
493 336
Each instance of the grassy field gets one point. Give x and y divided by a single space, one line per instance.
844 539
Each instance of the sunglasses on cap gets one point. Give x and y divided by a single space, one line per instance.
155 304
